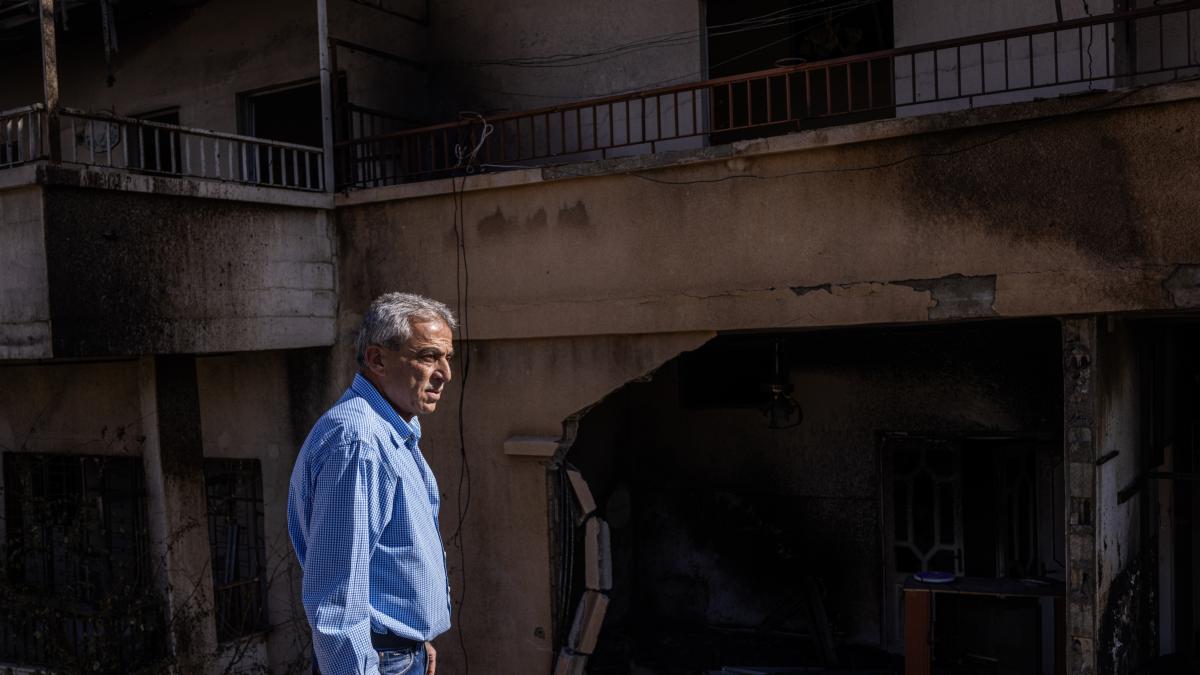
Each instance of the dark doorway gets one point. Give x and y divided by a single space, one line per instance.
746 534
155 148
290 114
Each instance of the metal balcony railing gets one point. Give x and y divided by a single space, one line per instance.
103 140
111 141
1108 51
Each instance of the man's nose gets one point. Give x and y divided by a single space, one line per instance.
443 370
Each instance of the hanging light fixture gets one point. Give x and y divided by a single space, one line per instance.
781 409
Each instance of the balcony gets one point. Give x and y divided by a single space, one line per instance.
109 142
105 251
1105 52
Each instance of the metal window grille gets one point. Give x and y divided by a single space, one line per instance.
77 594
235 539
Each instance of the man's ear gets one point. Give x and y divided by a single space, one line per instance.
374 359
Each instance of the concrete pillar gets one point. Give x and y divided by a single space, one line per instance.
1080 431
177 504
50 78
328 73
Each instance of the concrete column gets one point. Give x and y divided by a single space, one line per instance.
50 79
177 504
328 82
1080 431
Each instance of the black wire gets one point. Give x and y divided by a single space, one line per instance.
671 80
768 20
462 284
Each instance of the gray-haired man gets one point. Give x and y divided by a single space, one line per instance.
363 502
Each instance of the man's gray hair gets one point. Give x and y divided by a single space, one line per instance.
388 322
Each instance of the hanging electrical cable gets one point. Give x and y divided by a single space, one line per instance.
765 21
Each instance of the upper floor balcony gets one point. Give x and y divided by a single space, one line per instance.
1118 49
770 72
113 143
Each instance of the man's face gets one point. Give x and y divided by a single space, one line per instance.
413 377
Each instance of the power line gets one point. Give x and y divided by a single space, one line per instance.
761 22
668 81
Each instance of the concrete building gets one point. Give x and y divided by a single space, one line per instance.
767 307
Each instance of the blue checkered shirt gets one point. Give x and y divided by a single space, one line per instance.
363 517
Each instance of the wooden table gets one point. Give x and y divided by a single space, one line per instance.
918 613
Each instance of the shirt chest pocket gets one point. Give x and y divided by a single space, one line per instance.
411 515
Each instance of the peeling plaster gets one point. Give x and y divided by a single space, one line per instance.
957 296
1183 286
953 297
805 290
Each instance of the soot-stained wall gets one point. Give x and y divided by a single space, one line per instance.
143 274
727 513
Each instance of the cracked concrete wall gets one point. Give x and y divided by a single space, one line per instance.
1061 215
24 291
145 274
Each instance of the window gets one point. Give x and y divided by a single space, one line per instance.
235 540
976 507
78 592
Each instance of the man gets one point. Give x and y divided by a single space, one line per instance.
363 503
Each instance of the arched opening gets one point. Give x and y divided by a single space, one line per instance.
729 538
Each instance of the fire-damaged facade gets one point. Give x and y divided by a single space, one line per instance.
846 336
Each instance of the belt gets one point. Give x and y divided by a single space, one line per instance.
392 642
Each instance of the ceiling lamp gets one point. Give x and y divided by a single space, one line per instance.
781 409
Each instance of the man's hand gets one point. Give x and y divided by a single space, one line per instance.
431 656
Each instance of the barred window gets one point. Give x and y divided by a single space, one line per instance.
235 539
78 592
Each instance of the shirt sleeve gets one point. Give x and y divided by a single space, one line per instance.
352 499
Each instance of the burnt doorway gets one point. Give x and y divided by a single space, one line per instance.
741 533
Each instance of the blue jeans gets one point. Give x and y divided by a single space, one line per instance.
403 661
398 662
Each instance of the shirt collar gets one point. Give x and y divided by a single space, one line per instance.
409 431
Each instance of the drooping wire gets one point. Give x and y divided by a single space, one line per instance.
678 78
769 20
462 285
